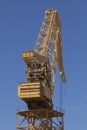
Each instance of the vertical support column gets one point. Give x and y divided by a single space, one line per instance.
16 121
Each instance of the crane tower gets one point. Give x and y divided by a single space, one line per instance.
38 89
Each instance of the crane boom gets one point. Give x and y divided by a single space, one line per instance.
49 41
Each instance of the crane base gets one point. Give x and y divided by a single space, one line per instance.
40 119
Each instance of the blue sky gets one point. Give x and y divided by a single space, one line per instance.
20 22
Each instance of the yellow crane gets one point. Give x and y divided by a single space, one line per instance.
38 89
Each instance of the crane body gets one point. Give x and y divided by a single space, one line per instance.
38 89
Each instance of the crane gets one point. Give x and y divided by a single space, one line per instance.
38 89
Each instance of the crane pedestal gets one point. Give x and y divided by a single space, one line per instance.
39 119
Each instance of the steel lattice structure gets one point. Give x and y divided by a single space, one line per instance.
38 89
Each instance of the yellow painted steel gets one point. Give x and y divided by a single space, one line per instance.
38 89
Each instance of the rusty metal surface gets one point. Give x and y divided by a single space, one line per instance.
39 120
40 113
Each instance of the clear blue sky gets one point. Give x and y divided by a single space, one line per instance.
20 22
